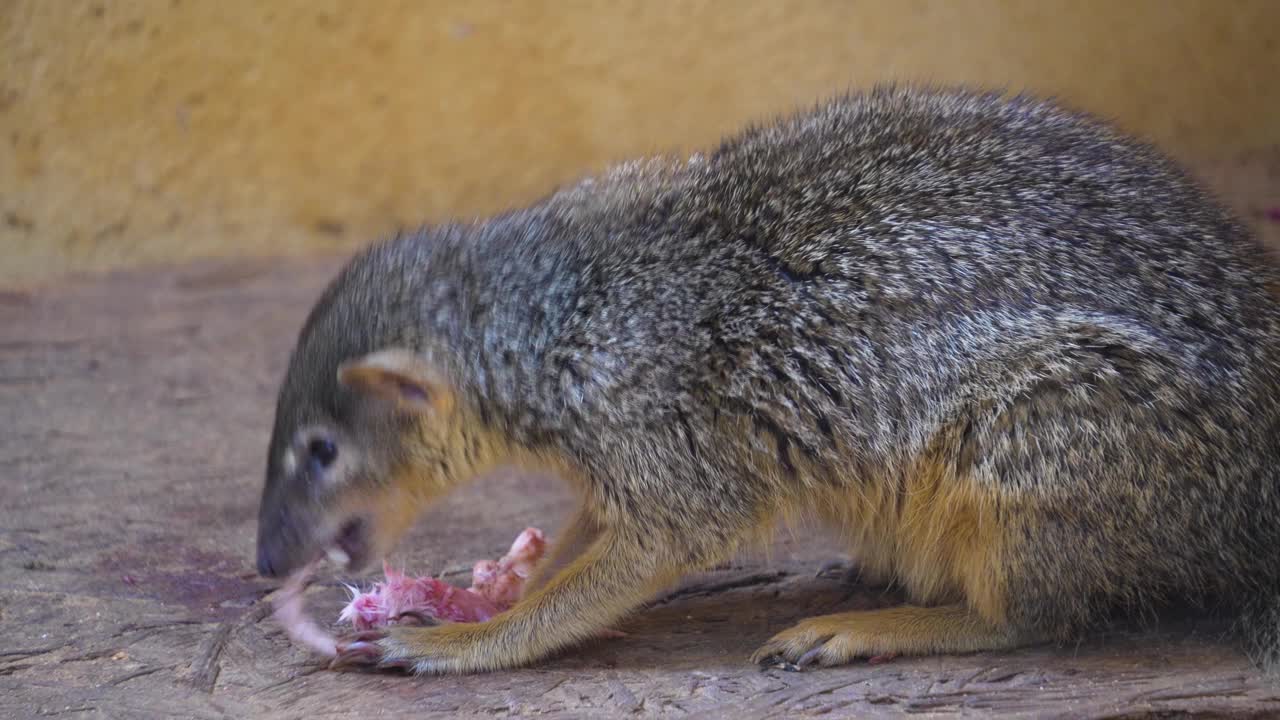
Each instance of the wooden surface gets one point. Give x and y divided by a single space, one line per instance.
133 420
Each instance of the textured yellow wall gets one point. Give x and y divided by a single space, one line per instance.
161 130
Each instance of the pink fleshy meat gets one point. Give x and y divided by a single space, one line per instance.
495 586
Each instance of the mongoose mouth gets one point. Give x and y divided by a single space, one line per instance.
350 547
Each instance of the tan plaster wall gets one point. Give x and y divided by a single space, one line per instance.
142 131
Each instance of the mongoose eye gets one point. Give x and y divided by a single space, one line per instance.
323 451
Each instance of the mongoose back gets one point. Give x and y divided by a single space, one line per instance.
1021 362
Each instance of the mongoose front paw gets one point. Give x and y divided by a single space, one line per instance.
421 650
363 650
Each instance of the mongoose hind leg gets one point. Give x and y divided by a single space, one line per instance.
840 638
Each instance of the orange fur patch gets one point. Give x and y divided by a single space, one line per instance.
933 531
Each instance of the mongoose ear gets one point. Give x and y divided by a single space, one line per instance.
400 377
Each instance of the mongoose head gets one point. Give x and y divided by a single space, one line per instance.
353 461
365 435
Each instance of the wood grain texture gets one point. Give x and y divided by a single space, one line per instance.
134 411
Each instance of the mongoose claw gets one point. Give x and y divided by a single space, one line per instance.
839 572
809 658
777 662
359 650
403 665
793 651
356 655
829 568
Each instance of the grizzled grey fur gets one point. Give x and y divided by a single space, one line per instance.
815 301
